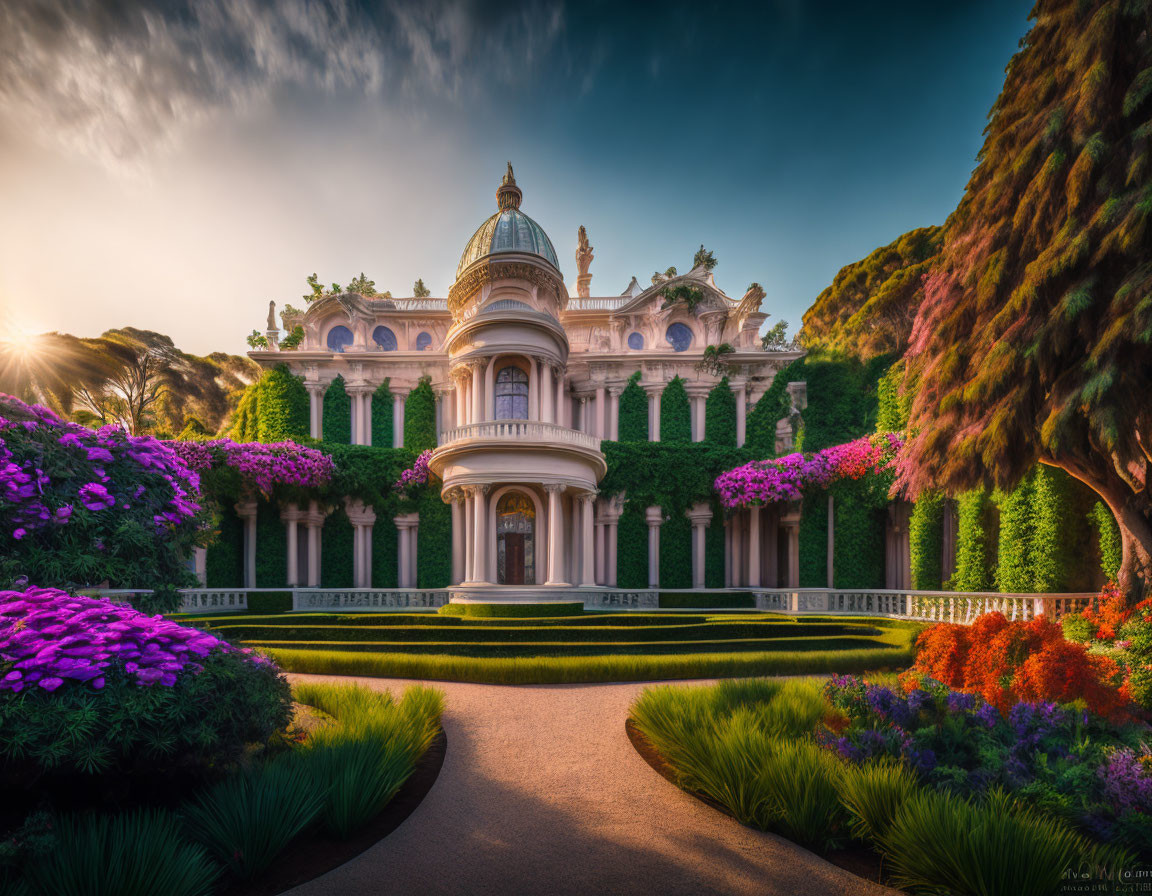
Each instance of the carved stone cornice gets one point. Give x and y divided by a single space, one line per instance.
490 270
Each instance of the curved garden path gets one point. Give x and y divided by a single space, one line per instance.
542 792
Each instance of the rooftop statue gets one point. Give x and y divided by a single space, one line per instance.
583 262
272 316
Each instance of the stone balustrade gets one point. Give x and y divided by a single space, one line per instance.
217 600
930 606
520 431
367 599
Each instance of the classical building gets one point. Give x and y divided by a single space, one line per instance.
528 379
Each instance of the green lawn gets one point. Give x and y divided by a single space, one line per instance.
593 647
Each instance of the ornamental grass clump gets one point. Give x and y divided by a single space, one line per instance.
92 686
142 853
996 847
366 756
247 819
873 792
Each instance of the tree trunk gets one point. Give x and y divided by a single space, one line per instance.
1133 513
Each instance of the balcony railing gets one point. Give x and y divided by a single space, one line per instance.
520 431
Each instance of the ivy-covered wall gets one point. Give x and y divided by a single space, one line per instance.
976 533
633 422
675 414
382 416
1108 539
714 549
926 541
772 406
892 403
858 509
271 547
720 415
434 541
676 551
272 409
814 540
224 563
385 562
337 416
420 418
336 551
632 547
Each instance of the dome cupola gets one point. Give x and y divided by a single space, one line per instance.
508 231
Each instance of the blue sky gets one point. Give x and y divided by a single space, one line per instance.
175 166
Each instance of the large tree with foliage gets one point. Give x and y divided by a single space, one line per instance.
1034 339
869 308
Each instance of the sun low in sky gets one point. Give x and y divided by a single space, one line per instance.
175 166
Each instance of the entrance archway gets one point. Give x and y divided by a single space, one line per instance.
515 539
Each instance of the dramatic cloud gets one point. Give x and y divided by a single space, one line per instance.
119 79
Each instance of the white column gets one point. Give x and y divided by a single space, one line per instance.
469 519
480 532
754 546
740 387
533 389
247 512
291 517
654 393
368 419
477 392
547 393
598 429
314 521
700 516
614 412
461 410
413 545
563 406
737 549
490 390
555 536
588 570
654 517
458 539
315 409
397 419
402 550
601 544
612 530
697 417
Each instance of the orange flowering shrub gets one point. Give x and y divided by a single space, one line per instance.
1009 662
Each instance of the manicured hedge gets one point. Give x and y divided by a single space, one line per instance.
714 548
720 415
590 618
675 413
434 541
283 406
676 550
734 600
337 416
548 634
632 547
385 544
633 422
270 602
512 611
382 416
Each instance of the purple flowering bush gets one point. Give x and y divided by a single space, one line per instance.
1061 759
88 686
256 467
81 507
414 476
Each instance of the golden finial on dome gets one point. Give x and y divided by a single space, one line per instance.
508 195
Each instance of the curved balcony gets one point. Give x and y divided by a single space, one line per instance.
520 432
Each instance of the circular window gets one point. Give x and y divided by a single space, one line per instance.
679 336
339 338
385 339
423 342
636 341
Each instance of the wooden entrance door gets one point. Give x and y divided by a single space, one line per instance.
513 558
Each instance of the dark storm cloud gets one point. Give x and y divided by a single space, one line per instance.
118 78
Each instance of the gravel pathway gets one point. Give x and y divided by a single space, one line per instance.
542 793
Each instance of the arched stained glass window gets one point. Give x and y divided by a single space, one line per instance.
339 338
679 336
385 339
636 341
423 342
511 394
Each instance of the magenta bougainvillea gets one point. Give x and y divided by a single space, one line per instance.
49 637
415 475
263 466
787 478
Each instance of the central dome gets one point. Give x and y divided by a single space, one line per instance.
509 230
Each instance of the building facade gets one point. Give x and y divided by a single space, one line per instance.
528 379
